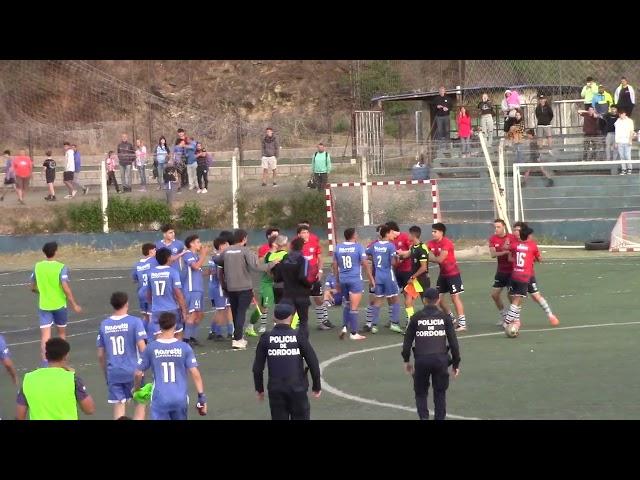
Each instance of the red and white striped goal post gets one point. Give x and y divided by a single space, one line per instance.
331 224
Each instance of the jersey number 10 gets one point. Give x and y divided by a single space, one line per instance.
118 345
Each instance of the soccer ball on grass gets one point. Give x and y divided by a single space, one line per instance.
511 330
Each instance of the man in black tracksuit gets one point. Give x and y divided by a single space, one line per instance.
292 271
284 350
432 330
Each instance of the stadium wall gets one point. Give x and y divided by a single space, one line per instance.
573 231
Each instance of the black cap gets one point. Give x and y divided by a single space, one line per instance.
282 311
431 294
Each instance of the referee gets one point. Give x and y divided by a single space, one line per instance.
434 335
284 349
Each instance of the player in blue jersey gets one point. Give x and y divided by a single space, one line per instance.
176 247
331 296
222 322
140 275
120 338
165 293
170 360
348 259
384 257
193 285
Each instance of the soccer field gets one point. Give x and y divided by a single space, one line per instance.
583 369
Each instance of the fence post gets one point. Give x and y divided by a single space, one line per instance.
104 199
365 192
234 187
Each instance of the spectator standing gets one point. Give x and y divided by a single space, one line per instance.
591 130
321 167
22 166
126 157
162 156
602 101
625 97
544 117
534 157
192 162
9 175
49 172
203 159
270 153
624 137
112 165
588 91
179 163
514 126
443 106
510 103
141 163
77 161
486 117
610 119
464 131
69 170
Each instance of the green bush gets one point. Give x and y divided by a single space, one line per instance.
85 217
190 216
124 214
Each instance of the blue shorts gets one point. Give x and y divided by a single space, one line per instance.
386 286
163 414
154 328
49 317
145 305
351 286
194 301
120 392
218 299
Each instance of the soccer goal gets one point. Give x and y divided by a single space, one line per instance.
404 201
625 236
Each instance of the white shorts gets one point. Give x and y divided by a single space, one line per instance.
269 163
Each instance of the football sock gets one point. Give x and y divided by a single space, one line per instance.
375 314
395 313
545 306
513 315
462 320
353 321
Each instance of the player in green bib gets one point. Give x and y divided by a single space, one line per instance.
50 279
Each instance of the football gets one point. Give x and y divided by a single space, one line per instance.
511 330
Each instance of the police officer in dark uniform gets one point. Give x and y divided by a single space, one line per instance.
284 349
432 331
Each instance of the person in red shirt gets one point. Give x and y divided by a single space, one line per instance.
403 243
22 167
532 287
264 249
312 251
499 248
449 279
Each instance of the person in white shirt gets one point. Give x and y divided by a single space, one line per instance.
69 170
624 137
141 162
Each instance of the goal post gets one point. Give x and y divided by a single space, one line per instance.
431 188
625 236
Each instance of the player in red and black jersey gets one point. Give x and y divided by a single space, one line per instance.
499 247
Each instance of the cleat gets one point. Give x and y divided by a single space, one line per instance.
357 336
343 332
553 320
194 342
327 323
238 345
461 328
322 326
374 329
211 336
262 329
366 328
396 328
500 323
250 332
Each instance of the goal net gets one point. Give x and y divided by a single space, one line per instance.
625 236
355 204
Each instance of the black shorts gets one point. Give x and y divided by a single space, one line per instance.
67 176
501 280
50 177
452 285
316 289
518 289
424 283
533 286
402 278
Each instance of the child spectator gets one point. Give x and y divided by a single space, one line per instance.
49 172
464 131
112 166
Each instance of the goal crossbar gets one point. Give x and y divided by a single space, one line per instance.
331 223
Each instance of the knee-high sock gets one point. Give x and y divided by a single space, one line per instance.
375 314
346 308
353 320
321 313
462 320
369 314
263 318
513 315
545 306
230 328
395 313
